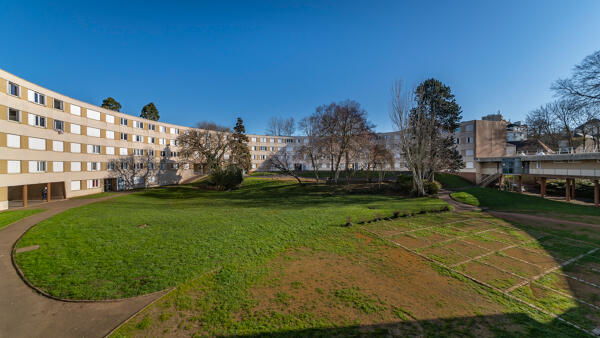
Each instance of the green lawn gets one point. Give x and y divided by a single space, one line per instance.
451 181
98 195
512 201
465 197
11 216
152 240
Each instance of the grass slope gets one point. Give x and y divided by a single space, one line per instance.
11 216
511 201
465 197
451 181
99 251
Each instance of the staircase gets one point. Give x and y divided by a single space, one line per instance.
489 179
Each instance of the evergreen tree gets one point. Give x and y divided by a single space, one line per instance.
436 101
111 103
240 153
150 112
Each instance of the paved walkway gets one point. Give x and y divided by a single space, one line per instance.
25 313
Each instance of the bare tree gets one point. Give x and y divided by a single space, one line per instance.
135 170
206 145
312 146
567 114
342 124
542 126
283 161
583 87
415 128
279 126
375 156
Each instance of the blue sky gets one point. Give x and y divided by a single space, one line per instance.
219 60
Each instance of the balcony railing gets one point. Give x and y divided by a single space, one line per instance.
566 172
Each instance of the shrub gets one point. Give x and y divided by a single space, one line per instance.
228 178
431 188
404 185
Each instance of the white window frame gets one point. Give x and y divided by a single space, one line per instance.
18 115
13 141
13 167
12 85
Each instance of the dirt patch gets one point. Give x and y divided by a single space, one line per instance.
465 248
443 255
540 259
490 275
513 265
501 236
398 286
485 243
408 241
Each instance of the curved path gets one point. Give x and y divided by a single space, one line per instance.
26 313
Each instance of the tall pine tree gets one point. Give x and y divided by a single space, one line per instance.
150 112
240 153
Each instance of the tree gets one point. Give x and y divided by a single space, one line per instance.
436 101
279 126
341 126
554 122
375 156
583 87
112 104
150 112
566 113
135 171
283 160
238 145
415 128
312 147
205 145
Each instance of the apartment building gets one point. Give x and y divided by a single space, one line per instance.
480 139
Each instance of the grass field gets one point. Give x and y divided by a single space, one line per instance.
10 216
149 241
272 259
450 181
465 197
511 201
98 195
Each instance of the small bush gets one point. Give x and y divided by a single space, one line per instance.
228 178
404 185
431 188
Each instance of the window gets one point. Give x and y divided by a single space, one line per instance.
123 151
253 147
13 141
124 166
152 127
59 125
123 121
272 140
162 141
177 131
110 166
151 140
469 139
93 166
469 152
263 139
94 115
58 104
57 145
138 138
110 150
272 148
93 183
75 129
138 152
37 143
469 165
110 134
95 132
163 153
263 157
14 89
174 142
172 130
37 120
14 115
138 124
162 129
13 167
57 167
75 166
93 149
37 166
75 185
186 166
150 152
469 127
253 165
75 147
538 165
151 165
123 136
75 110
110 119
139 165
36 97
254 139
262 148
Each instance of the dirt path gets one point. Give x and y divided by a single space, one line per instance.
26 313
458 206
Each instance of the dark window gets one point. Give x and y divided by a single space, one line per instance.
14 115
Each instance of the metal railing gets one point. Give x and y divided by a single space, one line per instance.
566 172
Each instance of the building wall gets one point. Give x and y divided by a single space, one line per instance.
491 138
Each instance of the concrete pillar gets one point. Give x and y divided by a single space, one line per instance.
49 192
596 193
568 190
501 182
3 198
24 195
520 184
572 188
543 187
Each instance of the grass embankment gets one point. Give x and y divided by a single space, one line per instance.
323 174
149 241
98 195
451 181
512 201
11 216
